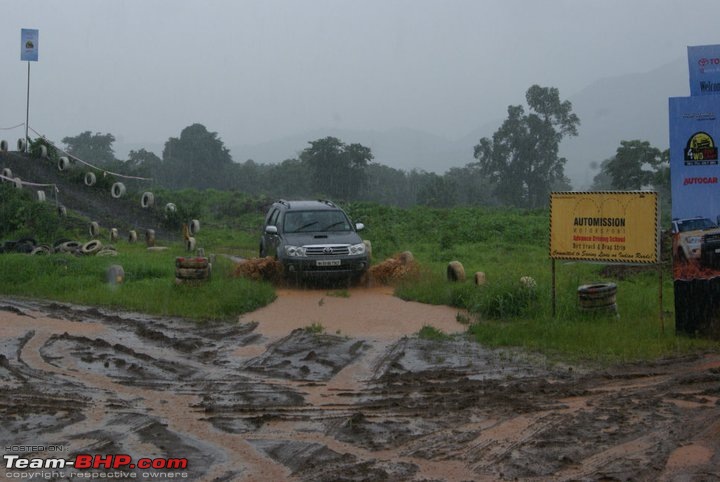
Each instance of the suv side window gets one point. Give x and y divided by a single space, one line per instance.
273 217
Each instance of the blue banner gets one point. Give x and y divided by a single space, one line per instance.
704 65
29 43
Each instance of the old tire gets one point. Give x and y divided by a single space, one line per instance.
63 164
480 279
597 297
21 143
94 229
41 196
192 273
40 250
170 208
455 271
150 238
194 226
115 274
406 258
17 182
62 211
114 234
91 247
118 190
90 179
132 236
7 172
147 200
192 262
68 247
190 244
43 151
3 146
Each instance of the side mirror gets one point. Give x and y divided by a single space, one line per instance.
359 226
271 230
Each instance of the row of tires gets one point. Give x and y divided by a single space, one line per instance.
62 246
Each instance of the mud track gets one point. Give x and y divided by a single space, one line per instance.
266 399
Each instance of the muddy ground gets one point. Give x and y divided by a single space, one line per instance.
365 399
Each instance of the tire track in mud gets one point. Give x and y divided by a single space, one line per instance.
243 402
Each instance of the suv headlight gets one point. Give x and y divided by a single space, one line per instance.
294 251
356 249
694 239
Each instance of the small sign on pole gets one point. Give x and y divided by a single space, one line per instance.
29 43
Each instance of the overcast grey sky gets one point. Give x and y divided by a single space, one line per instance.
257 70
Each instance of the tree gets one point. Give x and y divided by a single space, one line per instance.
198 158
337 169
522 156
633 166
91 148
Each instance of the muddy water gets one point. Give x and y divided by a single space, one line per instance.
365 399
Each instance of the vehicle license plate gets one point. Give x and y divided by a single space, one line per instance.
327 262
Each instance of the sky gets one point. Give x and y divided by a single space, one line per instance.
254 71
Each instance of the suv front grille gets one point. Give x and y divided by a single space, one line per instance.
327 250
711 238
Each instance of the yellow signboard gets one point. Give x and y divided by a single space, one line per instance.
610 227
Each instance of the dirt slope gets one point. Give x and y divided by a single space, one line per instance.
95 203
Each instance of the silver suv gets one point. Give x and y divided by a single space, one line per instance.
314 239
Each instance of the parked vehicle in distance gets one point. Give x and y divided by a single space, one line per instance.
314 239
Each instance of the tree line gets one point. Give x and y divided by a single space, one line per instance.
518 166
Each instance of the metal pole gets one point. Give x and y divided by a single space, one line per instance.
660 298
27 112
553 282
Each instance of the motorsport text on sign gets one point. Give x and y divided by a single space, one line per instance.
611 227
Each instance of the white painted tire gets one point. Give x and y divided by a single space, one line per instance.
21 144
7 172
63 163
41 196
115 274
194 226
190 244
17 182
94 229
480 278
132 236
91 247
117 190
455 271
114 234
90 179
62 211
150 238
3 146
43 151
170 208
147 200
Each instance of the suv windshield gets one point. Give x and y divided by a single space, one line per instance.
315 221
695 225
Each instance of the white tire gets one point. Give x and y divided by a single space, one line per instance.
7 173
455 271
170 208
147 200
114 234
150 238
17 182
63 163
41 196
62 211
90 179
480 278
194 226
91 247
190 244
94 229
3 146
21 145
117 190
43 151
132 236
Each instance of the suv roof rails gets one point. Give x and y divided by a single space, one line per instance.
329 203
282 201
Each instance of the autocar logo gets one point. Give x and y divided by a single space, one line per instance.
328 250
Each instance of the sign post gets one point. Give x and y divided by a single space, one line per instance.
29 44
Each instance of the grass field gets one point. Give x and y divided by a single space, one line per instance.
505 244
